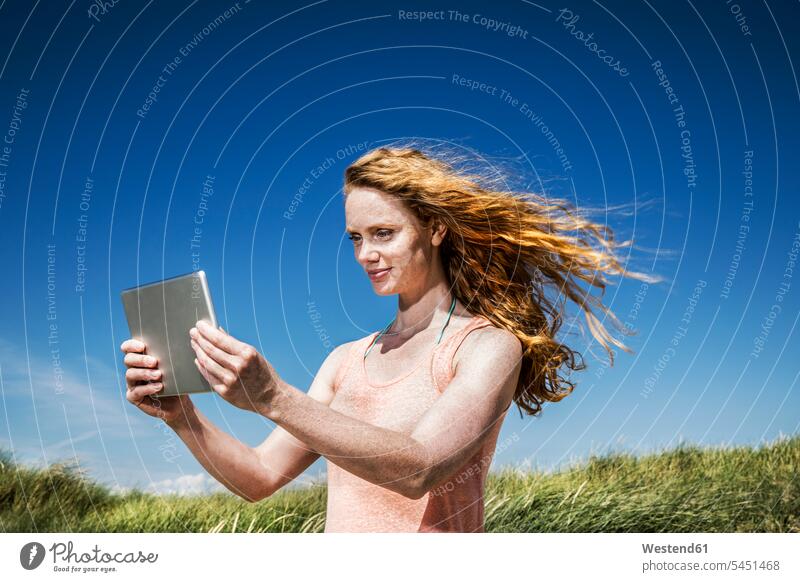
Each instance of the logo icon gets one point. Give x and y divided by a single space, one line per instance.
31 555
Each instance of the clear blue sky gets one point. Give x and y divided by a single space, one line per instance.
118 117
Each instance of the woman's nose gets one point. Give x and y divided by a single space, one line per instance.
366 254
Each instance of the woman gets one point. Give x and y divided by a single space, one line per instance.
408 417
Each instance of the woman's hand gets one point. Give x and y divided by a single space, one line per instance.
143 378
235 370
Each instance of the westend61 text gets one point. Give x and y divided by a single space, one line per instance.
670 549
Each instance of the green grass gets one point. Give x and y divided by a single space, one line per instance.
686 489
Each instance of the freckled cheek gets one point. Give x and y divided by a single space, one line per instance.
409 263
400 256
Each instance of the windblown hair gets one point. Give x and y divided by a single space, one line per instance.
504 253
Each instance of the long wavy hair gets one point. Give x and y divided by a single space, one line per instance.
514 258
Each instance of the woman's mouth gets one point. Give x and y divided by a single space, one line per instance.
378 274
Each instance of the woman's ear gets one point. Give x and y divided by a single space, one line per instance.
439 230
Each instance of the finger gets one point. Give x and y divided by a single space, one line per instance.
203 372
132 345
138 393
149 405
218 338
210 365
142 374
210 378
222 357
140 361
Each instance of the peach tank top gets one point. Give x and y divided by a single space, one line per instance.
356 505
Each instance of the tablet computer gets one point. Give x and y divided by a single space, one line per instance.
161 314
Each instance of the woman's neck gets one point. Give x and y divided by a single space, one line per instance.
424 311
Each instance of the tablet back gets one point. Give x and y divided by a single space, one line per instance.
161 315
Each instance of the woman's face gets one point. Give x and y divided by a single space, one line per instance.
389 241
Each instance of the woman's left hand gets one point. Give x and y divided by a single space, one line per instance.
235 370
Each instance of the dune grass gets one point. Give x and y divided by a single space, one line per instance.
686 489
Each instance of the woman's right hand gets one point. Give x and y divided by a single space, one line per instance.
144 378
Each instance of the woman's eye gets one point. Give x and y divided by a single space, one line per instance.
381 234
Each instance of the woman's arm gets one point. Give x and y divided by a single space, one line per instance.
255 473
282 455
411 464
228 460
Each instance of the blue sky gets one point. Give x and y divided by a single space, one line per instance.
119 118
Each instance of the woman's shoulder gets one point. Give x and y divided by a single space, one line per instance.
467 319
486 339
487 342
479 325
339 360
344 351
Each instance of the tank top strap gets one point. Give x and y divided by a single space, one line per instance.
442 361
